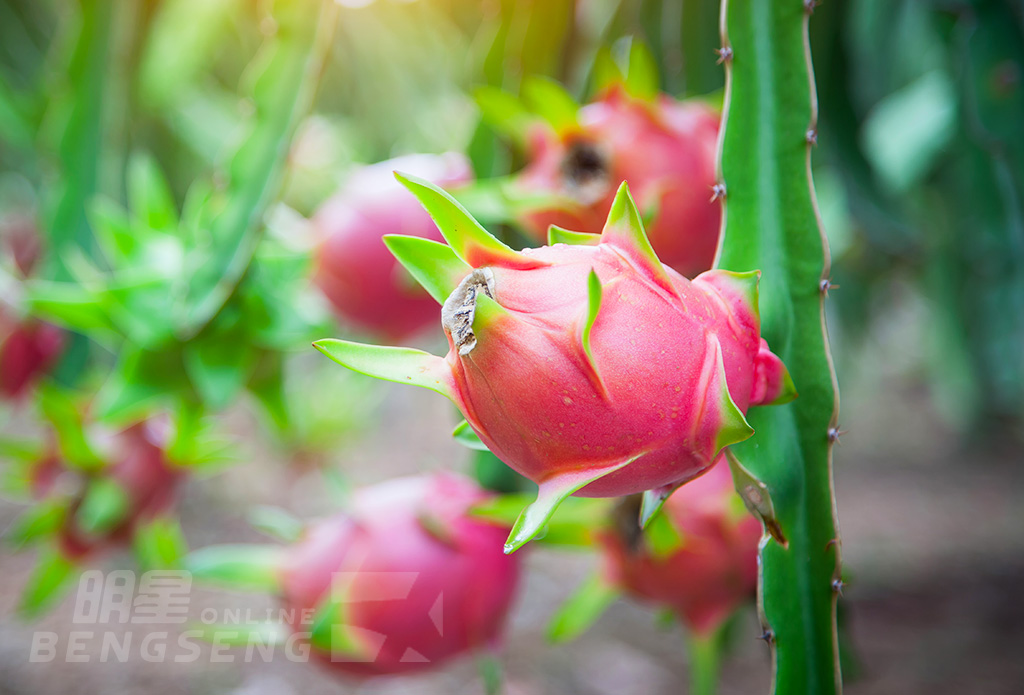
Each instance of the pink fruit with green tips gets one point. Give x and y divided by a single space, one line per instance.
353 268
665 149
412 580
587 366
707 569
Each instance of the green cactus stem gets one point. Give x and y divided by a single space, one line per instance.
771 223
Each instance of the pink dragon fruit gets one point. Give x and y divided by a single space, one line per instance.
140 485
353 267
402 581
418 580
590 368
28 350
710 567
664 148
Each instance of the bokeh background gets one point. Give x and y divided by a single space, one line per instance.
919 170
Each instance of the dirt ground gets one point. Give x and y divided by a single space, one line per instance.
932 540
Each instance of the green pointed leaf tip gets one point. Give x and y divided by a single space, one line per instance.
401 365
582 609
52 575
652 502
733 426
104 506
550 494
470 241
624 229
435 266
557 235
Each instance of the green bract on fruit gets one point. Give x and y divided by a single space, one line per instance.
587 366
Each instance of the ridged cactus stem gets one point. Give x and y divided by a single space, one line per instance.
771 223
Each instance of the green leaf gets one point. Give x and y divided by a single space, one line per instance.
159 544
552 102
49 580
40 521
435 266
473 244
582 609
465 436
253 568
605 73
71 305
401 365
642 81
625 231
65 417
113 230
141 380
218 366
104 506
662 537
276 523
149 196
504 113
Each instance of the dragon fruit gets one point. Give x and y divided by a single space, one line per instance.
353 268
402 581
139 486
665 149
707 569
28 350
589 367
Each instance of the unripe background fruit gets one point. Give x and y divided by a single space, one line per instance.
27 351
664 150
409 535
353 268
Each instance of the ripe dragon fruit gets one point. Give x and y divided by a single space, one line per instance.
707 569
353 268
28 350
403 581
589 367
137 487
664 148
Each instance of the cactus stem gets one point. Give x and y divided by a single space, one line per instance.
768 636
811 136
717 191
825 285
837 586
724 54
809 6
834 433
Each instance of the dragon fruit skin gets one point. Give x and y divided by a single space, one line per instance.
353 268
405 530
590 368
714 568
665 150
26 353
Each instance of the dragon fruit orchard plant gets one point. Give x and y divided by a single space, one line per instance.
587 366
354 269
404 580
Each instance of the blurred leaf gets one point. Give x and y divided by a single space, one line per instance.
573 523
40 521
552 102
583 608
149 196
140 380
50 578
907 131
64 415
104 506
642 81
505 113
241 567
276 523
218 366
159 544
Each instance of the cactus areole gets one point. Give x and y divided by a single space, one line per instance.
587 366
403 581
